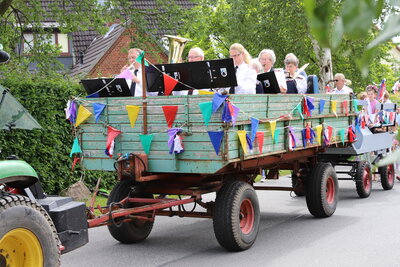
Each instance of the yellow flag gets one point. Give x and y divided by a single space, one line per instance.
83 114
243 141
272 124
202 92
133 112
318 129
333 105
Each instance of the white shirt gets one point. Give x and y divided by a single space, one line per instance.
345 90
301 83
139 85
246 79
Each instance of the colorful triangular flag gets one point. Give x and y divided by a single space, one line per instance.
216 139
83 114
260 141
146 140
133 112
254 128
98 109
75 148
169 84
217 101
242 138
206 111
112 134
170 113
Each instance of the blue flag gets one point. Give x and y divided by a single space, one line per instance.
98 109
249 142
217 101
254 128
321 106
216 139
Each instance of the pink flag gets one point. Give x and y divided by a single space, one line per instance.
127 74
112 134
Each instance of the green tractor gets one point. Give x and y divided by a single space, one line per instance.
34 228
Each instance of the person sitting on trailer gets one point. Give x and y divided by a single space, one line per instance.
267 59
256 65
298 85
246 76
340 85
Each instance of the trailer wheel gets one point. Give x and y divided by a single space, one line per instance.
322 189
132 231
299 185
363 179
387 176
236 216
27 234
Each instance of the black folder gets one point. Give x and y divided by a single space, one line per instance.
269 82
110 87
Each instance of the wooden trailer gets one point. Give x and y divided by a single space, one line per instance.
282 126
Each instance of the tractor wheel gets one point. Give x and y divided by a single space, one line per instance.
236 216
132 231
363 179
387 176
27 234
299 185
322 189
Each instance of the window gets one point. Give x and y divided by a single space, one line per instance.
59 39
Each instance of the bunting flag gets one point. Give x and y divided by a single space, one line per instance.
170 113
272 124
242 138
126 74
321 106
249 143
310 104
140 58
351 133
178 144
133 112
216 140
83 114
382 90
254 128
318 129
76 148
74 162
146 140
72 112
172 133
355 105
112 134
235 114
306 111
276 135
98 109
226 113
392 117
292 139
308 135
346 107
298 109
260 141
206 111
217 101
328 135
68 110
203 92
333 107
341 134
169 84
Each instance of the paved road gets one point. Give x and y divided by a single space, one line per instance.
362 232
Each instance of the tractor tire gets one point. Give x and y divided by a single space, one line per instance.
236 216
322 190
387 176
27 234
133 231
363 178
299 185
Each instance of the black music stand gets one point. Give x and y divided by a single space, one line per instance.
113 87
206 74
269 82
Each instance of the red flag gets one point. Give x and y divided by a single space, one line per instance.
112 134
306 110
170 113
346 107
76 160
260 140
169 84
351 133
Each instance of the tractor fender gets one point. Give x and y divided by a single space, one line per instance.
17 174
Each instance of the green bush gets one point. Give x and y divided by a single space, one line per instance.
47 149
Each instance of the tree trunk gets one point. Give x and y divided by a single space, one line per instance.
4 5
324 57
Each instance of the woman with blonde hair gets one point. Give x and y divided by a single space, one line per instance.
246 76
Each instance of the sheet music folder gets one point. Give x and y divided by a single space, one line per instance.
113 87
199 75
269 82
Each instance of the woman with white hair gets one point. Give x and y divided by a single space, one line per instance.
298 85
256 65
267 59
246 76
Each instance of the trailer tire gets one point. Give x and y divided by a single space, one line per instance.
387 176
236 216
299 185
28 236
363 178
322 189
132 231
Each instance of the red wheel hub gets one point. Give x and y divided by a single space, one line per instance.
390 174
330 190
366 179
246 216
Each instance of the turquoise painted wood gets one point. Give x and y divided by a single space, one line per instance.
199 155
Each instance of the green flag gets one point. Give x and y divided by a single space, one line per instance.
206 110
355 104
146 140
341 133
140 58
298 108
276 135
75 148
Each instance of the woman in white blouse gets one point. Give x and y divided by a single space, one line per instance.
246 76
